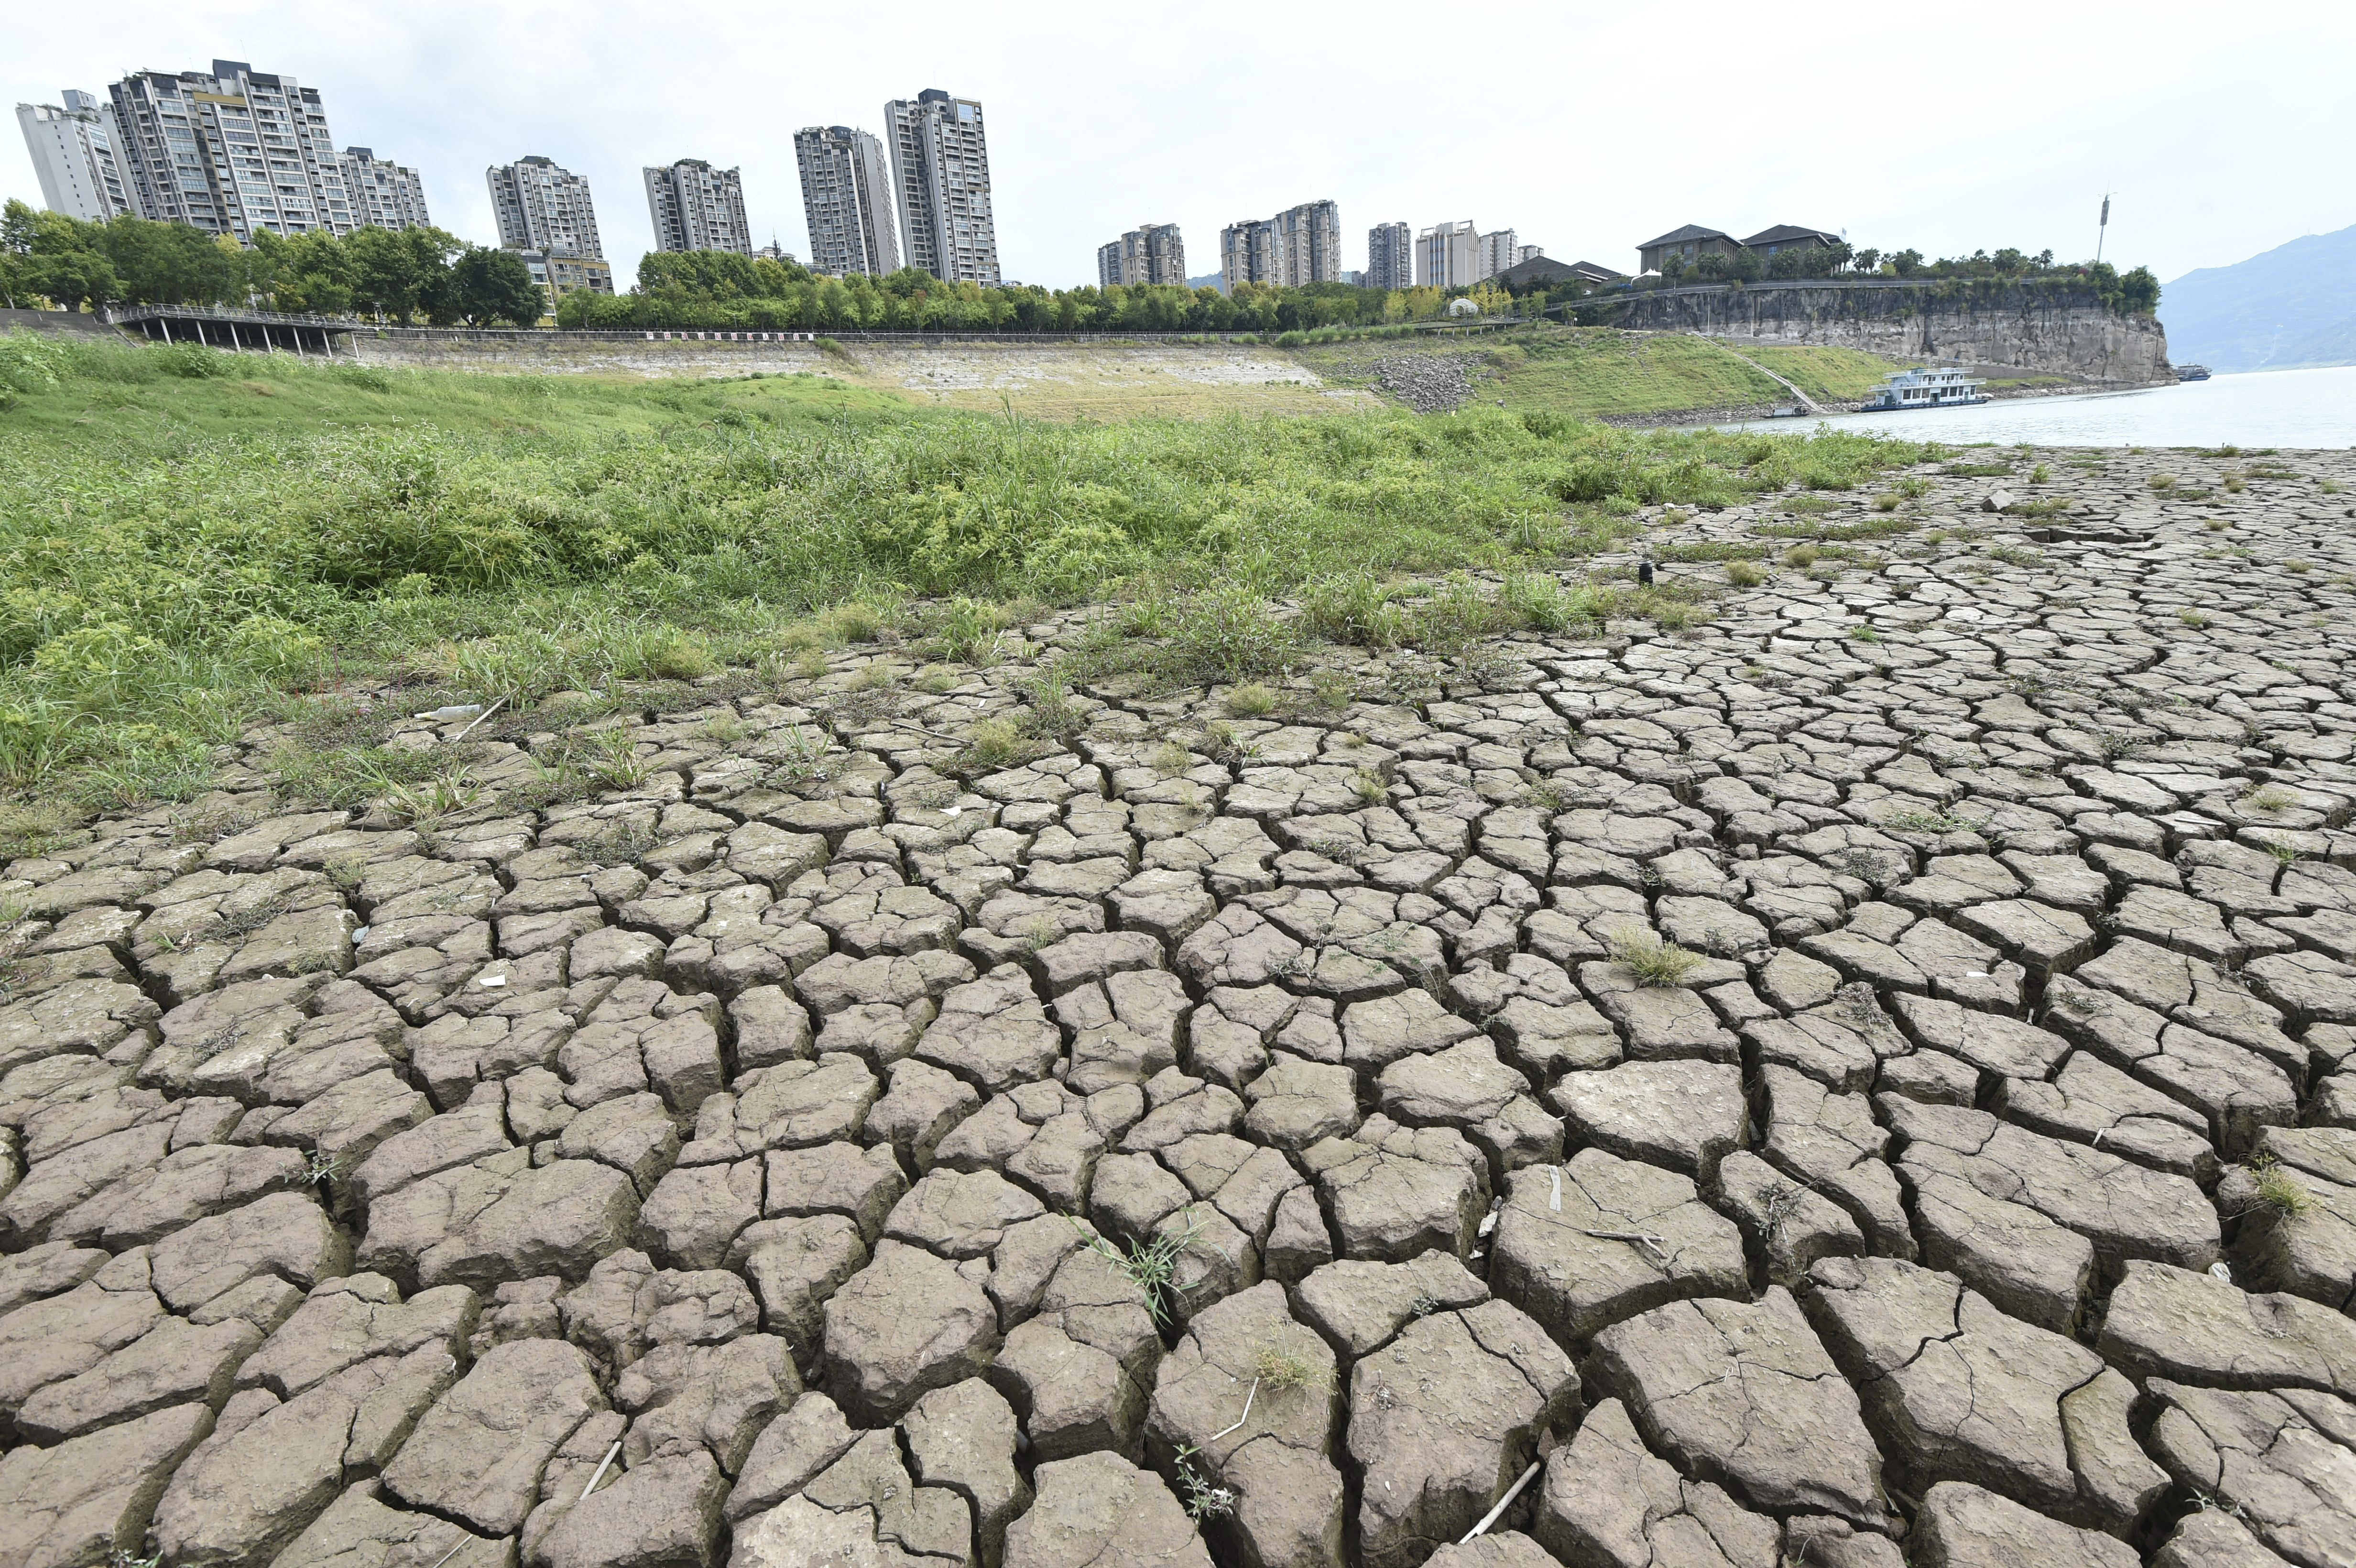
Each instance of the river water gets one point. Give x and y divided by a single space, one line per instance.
2284 409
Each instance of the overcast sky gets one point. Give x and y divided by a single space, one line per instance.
2223 133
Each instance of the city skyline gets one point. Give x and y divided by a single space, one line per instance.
450 91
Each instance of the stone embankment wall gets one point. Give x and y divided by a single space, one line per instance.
2061 331
948 363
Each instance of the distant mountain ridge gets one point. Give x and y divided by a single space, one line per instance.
2292 306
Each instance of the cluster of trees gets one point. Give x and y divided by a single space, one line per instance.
715 289
2133 293
400 276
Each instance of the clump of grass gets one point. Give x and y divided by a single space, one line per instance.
1745 573
2279 1190
1278 1366
1369 786
1885 502
1153 1265
2192 618
1250 701
2235 483
992 744
2267 799
1802 555
1653 962
2299 566
1914 819
432 797
2162 482
1865 633
2040 474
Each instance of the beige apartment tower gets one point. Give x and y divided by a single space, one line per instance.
1149 253
698 207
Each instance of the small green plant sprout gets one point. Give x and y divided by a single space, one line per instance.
2162 482
936 682
876 675
2299 566
1203 1501
1745 573
2192 618
2235 483
1914 819
1801 555
2040 474
1171 758
1652 961
2284 853
612 758
1041 935
345 872
1331 689
323 1168
1369 786
1865 633
1153 1265
2331 487
1885 502
2268 798
2278 1190
1250 701
2215 525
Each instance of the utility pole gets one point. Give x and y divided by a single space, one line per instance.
2102 229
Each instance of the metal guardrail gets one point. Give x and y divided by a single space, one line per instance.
131 316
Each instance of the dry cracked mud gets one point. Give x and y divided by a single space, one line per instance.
1261 1141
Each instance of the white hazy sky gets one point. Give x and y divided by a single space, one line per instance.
1586 128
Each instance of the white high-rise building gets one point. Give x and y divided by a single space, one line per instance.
384 194
543 208
235 151
1390 256
941 164
698 207
1499 251
1149 253
847 201
1447 255
73 152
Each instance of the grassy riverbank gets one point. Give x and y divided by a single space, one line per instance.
1597 372
185 538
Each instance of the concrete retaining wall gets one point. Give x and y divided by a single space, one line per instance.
2027 327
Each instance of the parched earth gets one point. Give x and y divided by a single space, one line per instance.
811 1156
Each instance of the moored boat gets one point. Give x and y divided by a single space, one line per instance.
2192 372
1931 387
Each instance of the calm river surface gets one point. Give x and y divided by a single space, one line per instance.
2286 409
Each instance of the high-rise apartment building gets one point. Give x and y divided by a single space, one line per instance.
941 164
1149 253
543 208
1448 256
1390 256
72 145
698 207
847 201
1311 240
1498 250
1300 245
235 151
383 192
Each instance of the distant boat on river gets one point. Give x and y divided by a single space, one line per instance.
2192 372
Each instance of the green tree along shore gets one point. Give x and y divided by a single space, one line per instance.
425 275
421 274
173 564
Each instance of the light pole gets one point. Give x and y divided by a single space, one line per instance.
2102 227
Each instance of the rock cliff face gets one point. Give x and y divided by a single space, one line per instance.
2061 331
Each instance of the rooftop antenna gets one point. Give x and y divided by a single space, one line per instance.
2102 229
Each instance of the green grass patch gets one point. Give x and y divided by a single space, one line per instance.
166 581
